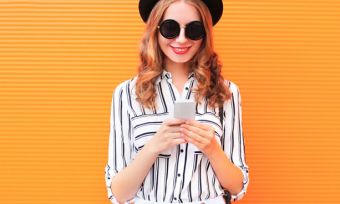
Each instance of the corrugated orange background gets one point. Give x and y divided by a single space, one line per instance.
60 61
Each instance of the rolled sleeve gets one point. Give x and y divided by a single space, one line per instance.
240 195
119 151
108 180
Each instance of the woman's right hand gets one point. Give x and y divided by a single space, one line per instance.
127 182
167 136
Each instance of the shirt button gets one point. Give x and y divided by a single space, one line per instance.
178 175
186 88
175 198
182 150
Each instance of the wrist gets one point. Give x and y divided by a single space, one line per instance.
151 149
213 149
215 152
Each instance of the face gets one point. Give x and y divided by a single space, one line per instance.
180 49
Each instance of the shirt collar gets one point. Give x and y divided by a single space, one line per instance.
167 75
191 74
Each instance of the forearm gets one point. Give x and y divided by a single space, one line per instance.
229 175
127 182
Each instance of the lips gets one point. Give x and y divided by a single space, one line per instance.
180 50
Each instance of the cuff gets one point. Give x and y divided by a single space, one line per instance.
108 180
113 199
240 195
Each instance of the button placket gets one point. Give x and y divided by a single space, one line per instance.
180 172
186 89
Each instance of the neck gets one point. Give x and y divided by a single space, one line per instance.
179 73
177 70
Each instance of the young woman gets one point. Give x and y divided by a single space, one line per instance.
155 158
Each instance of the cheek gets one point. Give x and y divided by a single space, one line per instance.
162 39
163 43
197 45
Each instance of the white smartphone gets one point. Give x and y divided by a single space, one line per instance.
184 110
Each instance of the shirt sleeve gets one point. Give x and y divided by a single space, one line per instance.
234 143
119 151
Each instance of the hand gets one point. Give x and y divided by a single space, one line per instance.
167 136
200 135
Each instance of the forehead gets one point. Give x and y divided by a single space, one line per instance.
181 12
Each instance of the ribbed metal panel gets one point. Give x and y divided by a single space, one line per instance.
60 61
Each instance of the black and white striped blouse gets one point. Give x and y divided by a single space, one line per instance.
183 173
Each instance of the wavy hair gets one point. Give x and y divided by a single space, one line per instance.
205 63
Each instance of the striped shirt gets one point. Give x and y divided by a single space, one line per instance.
182 173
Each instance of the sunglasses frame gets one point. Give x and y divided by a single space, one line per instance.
179 30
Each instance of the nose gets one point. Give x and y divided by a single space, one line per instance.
181 38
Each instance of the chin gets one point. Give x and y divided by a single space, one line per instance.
180 59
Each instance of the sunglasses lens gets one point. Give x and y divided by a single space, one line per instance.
195 30
169 29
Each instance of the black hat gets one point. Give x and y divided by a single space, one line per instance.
215 8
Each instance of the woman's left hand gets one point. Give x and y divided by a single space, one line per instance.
200 135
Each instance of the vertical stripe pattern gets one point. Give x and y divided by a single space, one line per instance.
183 173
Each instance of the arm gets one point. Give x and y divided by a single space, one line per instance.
228 174
124 175
127 182
229 165
234 146
119 154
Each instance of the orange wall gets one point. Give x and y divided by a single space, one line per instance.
60 61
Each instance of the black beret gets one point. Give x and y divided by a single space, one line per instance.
215 8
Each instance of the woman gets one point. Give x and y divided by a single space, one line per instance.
155 158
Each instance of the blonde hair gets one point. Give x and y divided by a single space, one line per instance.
205 64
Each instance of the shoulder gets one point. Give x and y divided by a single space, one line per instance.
235 93
233 87
125 86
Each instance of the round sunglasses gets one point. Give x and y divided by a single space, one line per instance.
170 29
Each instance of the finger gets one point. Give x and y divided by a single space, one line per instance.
194 142
176 135
198 124
206 135
174 129
179 141
209 129
194 129
173 121
194 136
